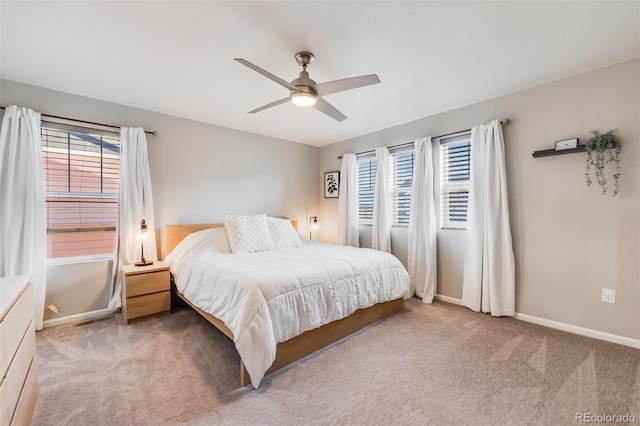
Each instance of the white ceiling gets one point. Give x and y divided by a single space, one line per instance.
177 57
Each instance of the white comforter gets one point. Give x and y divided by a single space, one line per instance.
268 297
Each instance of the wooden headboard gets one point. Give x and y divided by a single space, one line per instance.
177 233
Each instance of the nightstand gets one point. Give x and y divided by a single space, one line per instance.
146 291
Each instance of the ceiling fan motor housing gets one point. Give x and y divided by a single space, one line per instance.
303 82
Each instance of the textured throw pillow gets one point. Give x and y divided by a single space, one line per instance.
283 233
248 234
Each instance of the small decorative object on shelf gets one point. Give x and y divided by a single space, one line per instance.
603 149
567 144
554 151
143 236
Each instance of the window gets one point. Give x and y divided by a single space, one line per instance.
455 167
401 176
367 166
401 171
81 170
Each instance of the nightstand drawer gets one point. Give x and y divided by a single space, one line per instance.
148 304
150 282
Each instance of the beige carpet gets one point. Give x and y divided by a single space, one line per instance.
430 364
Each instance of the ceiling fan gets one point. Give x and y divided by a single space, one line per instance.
305 92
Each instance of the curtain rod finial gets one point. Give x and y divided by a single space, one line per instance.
505 122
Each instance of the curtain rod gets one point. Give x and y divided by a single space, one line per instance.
151 132
504 122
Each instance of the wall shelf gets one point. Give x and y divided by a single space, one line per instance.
550 152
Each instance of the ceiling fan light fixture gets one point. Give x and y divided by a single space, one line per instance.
304 99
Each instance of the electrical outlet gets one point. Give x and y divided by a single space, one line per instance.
609 296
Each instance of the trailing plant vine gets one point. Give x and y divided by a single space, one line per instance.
603 149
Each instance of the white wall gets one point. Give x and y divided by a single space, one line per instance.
204 172
199 173
569 240
77 288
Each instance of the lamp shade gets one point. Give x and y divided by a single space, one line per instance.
143 230
313 225
143 237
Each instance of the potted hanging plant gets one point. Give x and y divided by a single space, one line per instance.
603 149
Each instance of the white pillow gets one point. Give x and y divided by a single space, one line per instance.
283 233
248 234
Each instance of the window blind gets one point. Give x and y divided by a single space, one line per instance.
81 172
401 176
402 162
367 166
455 168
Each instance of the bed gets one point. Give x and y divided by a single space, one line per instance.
282 304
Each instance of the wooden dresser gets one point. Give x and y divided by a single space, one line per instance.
146 291
19 385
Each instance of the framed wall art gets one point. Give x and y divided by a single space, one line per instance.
331 184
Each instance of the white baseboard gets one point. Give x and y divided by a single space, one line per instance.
601 335
448 299
85 316
614 338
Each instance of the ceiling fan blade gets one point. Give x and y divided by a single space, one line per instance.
336 86
267 74
272 104
324 106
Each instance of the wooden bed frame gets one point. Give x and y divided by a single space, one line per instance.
300 346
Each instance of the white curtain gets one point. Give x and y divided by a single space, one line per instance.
381 230
348 202
23 241
422 265
489 265
135 203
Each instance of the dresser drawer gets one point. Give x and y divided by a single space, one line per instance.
148 304
150 282
13 382
13 326
28 396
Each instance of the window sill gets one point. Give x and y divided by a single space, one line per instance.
79 259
